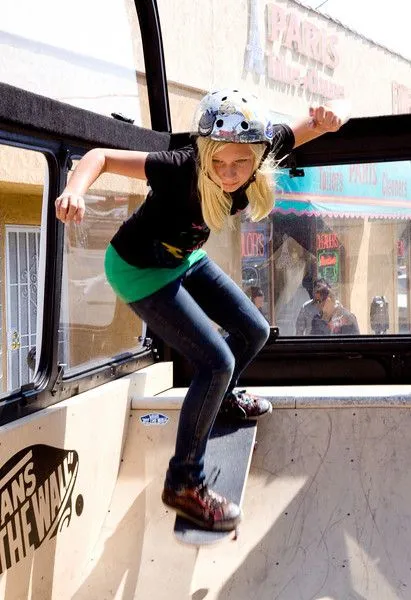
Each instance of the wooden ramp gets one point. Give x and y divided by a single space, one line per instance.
327 505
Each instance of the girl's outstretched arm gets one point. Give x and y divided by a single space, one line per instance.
70 204
321 119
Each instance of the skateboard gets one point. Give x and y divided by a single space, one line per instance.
230 448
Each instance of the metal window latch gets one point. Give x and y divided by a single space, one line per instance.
274 334
121 117
66 160
146 342
294 170
58 380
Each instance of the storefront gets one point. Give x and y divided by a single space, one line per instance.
356 233
256 239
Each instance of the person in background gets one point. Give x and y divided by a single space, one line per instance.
156 264
290 267
332 318
257 298
311 308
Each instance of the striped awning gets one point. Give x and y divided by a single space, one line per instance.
378 190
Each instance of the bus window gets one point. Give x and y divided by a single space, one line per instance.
95 325
22 176
333 258
293 57
89 57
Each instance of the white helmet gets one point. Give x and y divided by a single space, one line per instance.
230 116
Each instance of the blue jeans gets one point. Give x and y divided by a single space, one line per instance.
180 315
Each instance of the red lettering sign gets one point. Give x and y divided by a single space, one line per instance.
327 260
301 35
365 174
331 181
252 244
394 188
327 241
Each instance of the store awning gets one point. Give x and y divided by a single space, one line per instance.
378 190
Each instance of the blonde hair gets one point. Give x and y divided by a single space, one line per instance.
215 203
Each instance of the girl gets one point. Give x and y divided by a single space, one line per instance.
156 264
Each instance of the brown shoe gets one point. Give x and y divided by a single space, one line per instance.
239 405
203 507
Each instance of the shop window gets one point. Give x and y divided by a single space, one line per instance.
22 176
333 258
95 325
256 251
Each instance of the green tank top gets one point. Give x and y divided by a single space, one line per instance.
133 283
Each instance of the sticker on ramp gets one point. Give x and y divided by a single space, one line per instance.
154 419
37 500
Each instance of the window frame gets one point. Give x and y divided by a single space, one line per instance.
371 359
39 133
60 131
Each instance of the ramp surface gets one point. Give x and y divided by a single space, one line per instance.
327 506
327 514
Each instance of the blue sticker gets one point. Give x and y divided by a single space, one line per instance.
269 130
154 419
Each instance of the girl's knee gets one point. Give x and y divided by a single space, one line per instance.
217 359
225 364
260 333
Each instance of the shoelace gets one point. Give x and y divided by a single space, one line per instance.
214 475
212 499
246 398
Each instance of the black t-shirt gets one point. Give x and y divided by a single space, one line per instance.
169 225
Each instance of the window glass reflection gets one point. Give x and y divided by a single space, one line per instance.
95 325
333 258
22 177
64 58
288 54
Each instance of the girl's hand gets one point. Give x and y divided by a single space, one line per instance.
329 118
70 207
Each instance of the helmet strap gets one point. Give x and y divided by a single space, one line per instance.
253 176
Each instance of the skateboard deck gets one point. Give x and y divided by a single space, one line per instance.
230 448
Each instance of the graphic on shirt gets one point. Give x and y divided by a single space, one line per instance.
177 252
169 225
188 241
201 227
